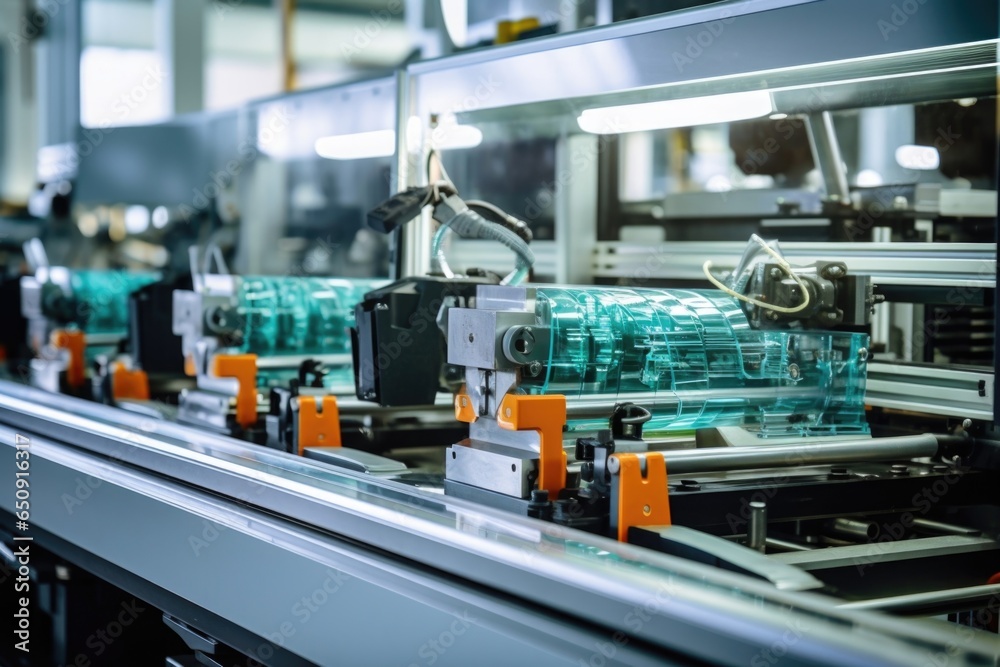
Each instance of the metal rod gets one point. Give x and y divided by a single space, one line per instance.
598 405
785 545
941 528
826 150
933 602
718 459
854 529
757 533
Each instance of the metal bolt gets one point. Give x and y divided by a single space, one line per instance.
966 424
381 306
646 510
534 368
464 402
835 271
614 465
776 273
771 315
899 469
793 371
507 413
863 354
832 316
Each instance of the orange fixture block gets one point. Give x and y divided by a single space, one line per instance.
243 367
642 501
126 383
464 411
509 31
547 415
318 429
76 343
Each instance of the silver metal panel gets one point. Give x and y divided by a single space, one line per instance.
965 265
926 547
501 469
639 56
934 390
472 335
932 199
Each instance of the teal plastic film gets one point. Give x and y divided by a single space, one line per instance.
299 315
100 298
692 358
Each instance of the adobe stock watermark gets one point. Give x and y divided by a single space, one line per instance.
899 16
787 128
152 79
301 612
885 197
223 7
433 649
101 640
704 39
606 652
924 501
364 36
795 629
86 486
33 23
545 199
246 152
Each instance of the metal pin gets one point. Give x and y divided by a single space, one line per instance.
757 532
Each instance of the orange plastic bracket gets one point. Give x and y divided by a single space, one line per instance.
243 367
547 415
126 383
76 343
464 411
318 429
189 368
642 501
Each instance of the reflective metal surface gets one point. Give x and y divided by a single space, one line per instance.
560 568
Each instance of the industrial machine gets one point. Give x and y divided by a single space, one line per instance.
584 421
76 322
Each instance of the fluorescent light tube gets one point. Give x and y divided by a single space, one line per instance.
380 143
924 158
453 136
677 113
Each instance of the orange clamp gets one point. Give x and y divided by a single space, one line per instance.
547 415
464 410
243 367
76 343
318 429
126 383
642 501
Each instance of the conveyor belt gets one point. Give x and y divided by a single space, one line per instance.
550 591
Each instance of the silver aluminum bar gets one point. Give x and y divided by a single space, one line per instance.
717 459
